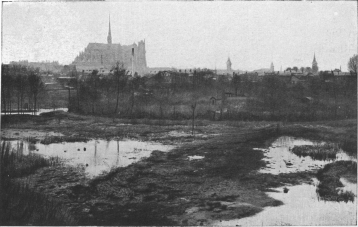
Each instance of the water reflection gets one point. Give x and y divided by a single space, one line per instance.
97 156
301 207
348 186
40 111
280 159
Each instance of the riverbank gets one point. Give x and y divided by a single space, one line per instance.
169 188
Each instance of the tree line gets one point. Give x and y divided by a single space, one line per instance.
176 95
182 95
20 88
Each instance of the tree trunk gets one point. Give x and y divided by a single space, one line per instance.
132 104
35 104
161 111
18 103
69 98
4 102
108 106
10 103
116 109
78 96
22 103
193 118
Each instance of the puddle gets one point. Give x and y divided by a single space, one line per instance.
97 156
195 157
348 186
38 112
178 134
301 207
280 158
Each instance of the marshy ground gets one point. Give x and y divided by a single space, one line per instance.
169 188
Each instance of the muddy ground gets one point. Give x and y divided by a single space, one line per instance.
168 188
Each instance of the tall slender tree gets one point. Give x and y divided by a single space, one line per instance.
36 87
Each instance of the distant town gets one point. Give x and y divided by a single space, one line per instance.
110 140
108 78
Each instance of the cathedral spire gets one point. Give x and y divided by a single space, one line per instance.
314 65
109 37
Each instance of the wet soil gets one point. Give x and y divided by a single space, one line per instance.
168 188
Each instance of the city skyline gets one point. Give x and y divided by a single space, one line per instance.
187 35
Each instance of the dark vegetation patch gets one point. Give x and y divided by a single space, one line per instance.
329 178
57 139
15 164
20 205
317 152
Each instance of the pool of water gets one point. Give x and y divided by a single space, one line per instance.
195 157
97 156
280 159
301 204
38 112
348 186
301 207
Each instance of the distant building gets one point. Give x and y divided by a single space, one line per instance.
272 68
228 65
314 65
104 56
44 66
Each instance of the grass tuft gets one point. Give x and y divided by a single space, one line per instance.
317 152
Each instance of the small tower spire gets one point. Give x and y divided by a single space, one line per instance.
228 64
272 68
109 37
314 65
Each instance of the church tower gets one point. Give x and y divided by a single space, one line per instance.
109 37
314 65
272 68
228 65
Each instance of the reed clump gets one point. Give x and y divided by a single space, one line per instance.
317 152
19 204
329 177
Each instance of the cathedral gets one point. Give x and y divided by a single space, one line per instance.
104 56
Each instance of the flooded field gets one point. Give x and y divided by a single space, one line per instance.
97 156
279 157
301 206
301 203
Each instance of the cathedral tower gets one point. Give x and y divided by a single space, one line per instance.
109 37
272 67
314 65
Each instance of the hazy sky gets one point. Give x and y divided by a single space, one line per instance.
187 34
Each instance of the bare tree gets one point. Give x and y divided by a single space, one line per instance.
36 86
193 107
353 64
119 75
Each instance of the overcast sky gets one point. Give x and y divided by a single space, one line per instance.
187 34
